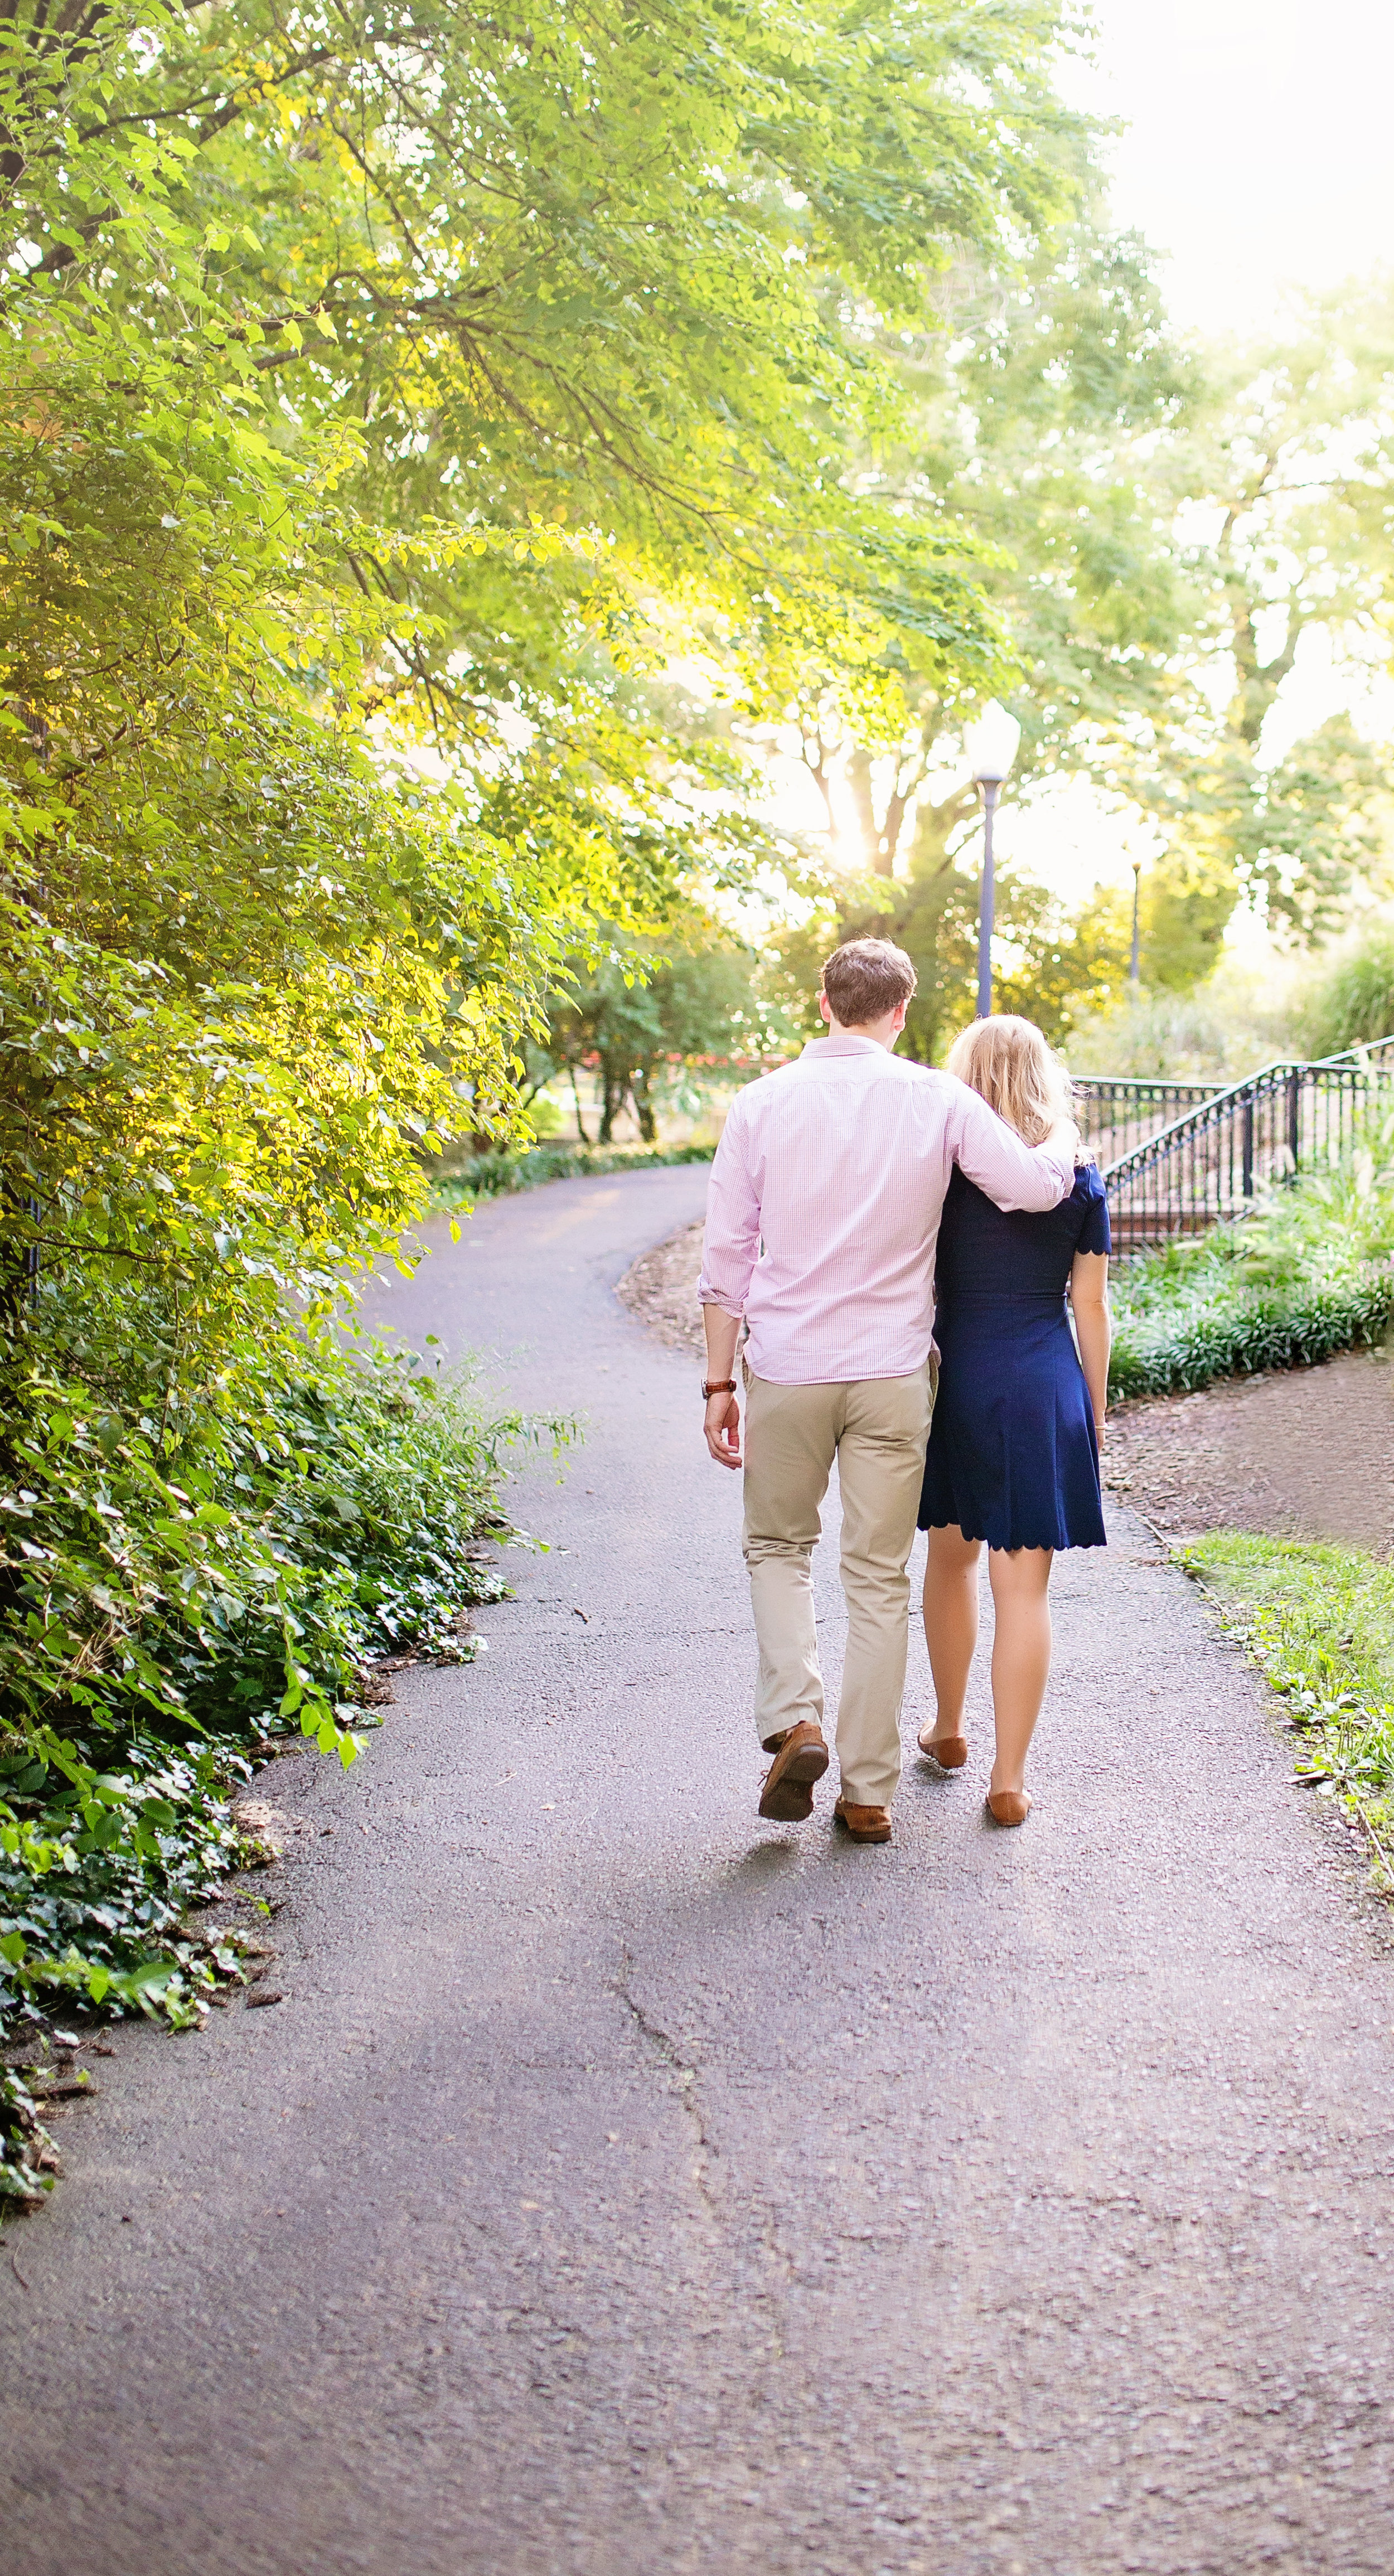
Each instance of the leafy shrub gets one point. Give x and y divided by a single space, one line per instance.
97 1868
1240 1334
26 2149
184 1579
1228 1027
1353 1002
1309 1273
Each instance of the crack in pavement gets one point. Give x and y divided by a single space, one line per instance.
688 2077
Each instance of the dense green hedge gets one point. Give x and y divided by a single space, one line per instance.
1263 1329
1308 1273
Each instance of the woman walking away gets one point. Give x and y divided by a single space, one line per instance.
1013 1450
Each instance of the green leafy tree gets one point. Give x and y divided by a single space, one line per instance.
1169 529
1025 418
577 293
1177 528
1032 417
1274 489
696 1020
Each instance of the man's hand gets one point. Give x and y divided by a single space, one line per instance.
722 1425
722 1421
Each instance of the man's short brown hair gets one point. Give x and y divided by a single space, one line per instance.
864 979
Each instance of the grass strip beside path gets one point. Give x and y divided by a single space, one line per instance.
1318 1620
488 1176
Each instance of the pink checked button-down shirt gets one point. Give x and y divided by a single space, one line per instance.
823 1210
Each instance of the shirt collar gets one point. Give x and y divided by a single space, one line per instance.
845 1043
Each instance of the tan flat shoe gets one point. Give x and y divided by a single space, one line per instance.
864 1824
1009 1806
949 1751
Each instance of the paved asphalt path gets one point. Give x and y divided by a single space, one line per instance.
627 2186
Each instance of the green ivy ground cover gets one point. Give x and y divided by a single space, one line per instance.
341 1508
1319 1621
1309 1273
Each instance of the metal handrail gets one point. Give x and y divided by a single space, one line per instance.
1102 1086
1207 1164
1117 1112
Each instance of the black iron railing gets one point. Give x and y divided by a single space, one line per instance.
1117 1114
1208 1163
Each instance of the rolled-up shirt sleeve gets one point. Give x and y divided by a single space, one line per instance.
1013 1175
731 1241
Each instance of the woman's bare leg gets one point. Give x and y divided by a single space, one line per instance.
1020 1580
950 1625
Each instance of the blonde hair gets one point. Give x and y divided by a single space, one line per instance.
1008 1061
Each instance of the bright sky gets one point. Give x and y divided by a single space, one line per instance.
1258 151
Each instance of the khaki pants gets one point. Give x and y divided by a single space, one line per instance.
876 1430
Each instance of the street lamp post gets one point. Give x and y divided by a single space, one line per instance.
1135 969
991 747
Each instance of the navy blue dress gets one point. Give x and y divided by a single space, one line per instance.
1013 1457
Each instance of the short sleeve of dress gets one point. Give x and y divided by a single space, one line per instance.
1094 1234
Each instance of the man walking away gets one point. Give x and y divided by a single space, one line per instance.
822 1216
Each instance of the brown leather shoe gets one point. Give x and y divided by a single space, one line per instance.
949 1751
864 1824
786 1792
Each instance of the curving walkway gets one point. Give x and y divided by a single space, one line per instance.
625 2185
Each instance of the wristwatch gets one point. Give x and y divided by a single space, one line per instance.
718 1386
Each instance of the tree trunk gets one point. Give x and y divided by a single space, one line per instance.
644 1109
815 755
859 780
935 826
882 839
576 1096
614 1080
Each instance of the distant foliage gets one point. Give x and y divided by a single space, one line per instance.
492 1176
659 1024
1228 1027
1353 1002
